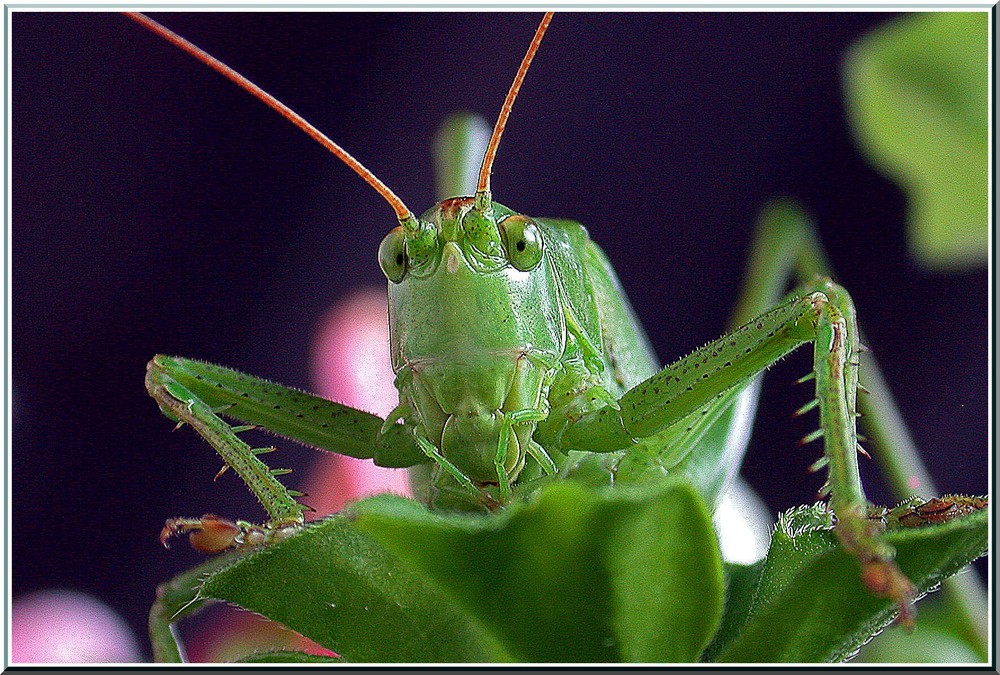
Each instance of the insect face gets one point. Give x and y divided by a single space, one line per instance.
472 348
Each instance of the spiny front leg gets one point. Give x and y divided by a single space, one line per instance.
197 393
292 413
508 436
181 404
696 385
432 453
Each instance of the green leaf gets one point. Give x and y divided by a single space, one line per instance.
741 584
335 585
667 578
288 656
176 599
810 605
916 92
575 575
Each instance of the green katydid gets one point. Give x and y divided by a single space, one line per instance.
519 358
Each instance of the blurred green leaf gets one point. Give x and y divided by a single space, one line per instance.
810 604
916 93
937 639
575 575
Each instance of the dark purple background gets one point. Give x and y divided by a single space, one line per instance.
157 208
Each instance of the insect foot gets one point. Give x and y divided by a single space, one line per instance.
935 511
212 534
884 578
879 573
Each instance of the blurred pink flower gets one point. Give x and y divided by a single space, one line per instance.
61 626
350 364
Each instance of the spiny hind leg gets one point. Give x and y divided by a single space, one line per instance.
197 393
835 364
822 313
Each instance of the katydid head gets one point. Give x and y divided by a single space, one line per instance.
475 327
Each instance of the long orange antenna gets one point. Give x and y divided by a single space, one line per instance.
483 196
403 213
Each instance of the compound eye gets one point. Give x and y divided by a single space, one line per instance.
523 241
392 256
